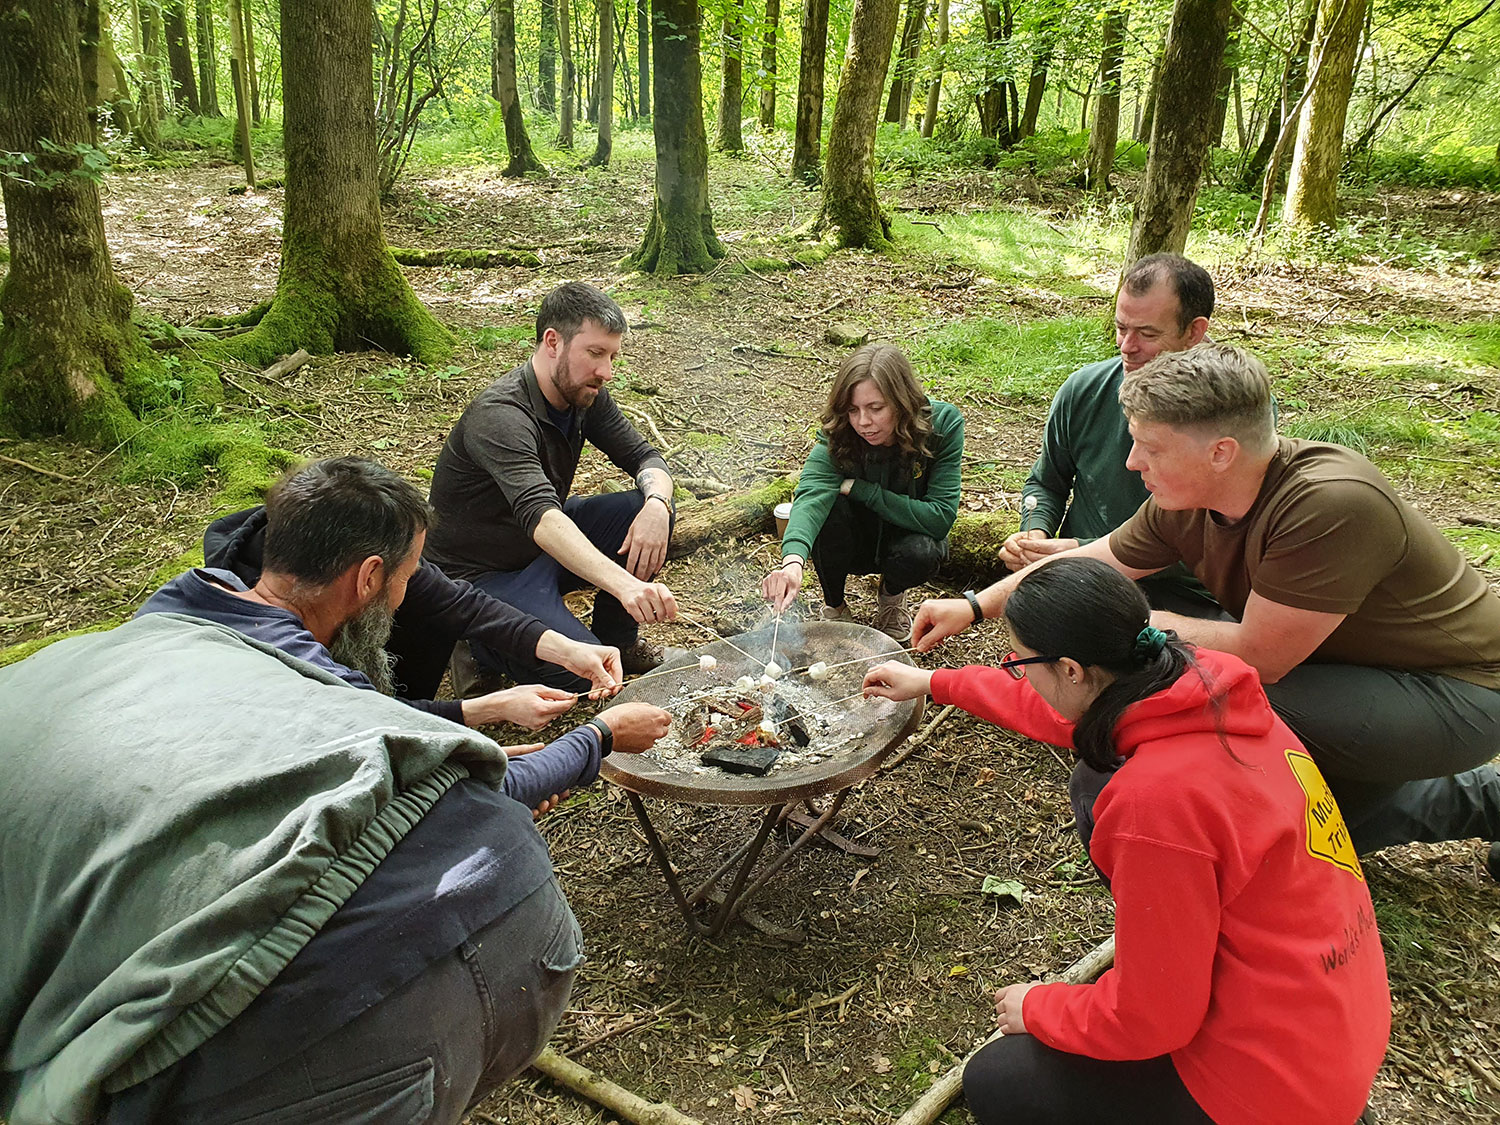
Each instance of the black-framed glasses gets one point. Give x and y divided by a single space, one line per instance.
1013 663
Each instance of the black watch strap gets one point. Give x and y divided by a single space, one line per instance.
973 600
606 736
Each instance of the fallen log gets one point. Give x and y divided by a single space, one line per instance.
601 1091
930 1106
973 546
465 259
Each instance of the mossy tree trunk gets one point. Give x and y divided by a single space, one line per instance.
546 61
850 207
935 89
807 136
680 237
339 288
1312 190
66 343
179 56
569 76
503 86
606 140
1106 131
240 79
768 67
643 53
208 63
732 87
898 105
1183 116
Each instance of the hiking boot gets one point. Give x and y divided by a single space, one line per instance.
1492 861
645 655
465 675
837 613
891 617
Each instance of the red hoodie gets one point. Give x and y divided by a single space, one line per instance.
1245 940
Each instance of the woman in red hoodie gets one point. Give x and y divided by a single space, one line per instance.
1249 985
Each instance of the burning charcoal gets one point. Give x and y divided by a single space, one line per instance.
756 760
797 731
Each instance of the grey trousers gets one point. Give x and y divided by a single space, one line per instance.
1405 752
424 1054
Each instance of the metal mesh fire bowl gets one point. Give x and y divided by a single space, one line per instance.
858 735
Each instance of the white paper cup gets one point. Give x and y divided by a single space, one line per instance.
782 512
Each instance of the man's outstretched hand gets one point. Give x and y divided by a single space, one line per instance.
527 705
636 726
1026 547
649 602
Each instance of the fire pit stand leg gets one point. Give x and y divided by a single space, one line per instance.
736 898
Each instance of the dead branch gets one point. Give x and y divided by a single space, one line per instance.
703 486
465 259
827 1002
930 1106
622 1027
286 366
920 740
601 1091
36 468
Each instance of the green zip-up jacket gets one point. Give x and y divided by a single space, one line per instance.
1083 457
924 500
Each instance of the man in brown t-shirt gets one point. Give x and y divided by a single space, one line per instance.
1378 644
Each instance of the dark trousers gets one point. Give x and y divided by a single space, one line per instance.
1016 1080
423 1055
539 590
1403 752
854 540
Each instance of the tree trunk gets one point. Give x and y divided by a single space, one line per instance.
151 57
65 334
994 112
1226 79
338 288
850 207
565 53
1312 190
1106 131
605 143
732 87
179 56
1036 85
1148 114
643 53
241 82
1179 135
807 135
768 67
680 237
935 88
898 105
622 59
250 68
1293 81
503 77
546 62
208 63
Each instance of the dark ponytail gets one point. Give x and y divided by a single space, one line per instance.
1087 610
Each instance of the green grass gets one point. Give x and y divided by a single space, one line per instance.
1374 429
1010 245
1022 361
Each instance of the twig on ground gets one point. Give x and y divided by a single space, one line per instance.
36 468
828 1002
922 736
930 1106
621 1028
822 311
601 1091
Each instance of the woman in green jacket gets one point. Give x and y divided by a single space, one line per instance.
879 492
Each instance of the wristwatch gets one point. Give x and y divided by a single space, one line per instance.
973 600
606 736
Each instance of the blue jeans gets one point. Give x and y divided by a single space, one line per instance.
539 588
424 1054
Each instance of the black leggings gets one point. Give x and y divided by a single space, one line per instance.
854 540
1018 1081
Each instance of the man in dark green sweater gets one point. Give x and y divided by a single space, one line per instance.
1079 489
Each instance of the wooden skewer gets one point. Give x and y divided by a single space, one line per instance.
776 630
856 660
691 620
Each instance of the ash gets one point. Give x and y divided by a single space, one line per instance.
831 721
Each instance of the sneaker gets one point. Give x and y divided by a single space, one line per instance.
837 613
891 617
465 675
645 655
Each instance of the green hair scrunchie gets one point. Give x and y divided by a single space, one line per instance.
1149 642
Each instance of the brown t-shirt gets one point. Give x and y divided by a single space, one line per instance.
1327 533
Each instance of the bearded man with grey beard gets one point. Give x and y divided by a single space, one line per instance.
343 538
